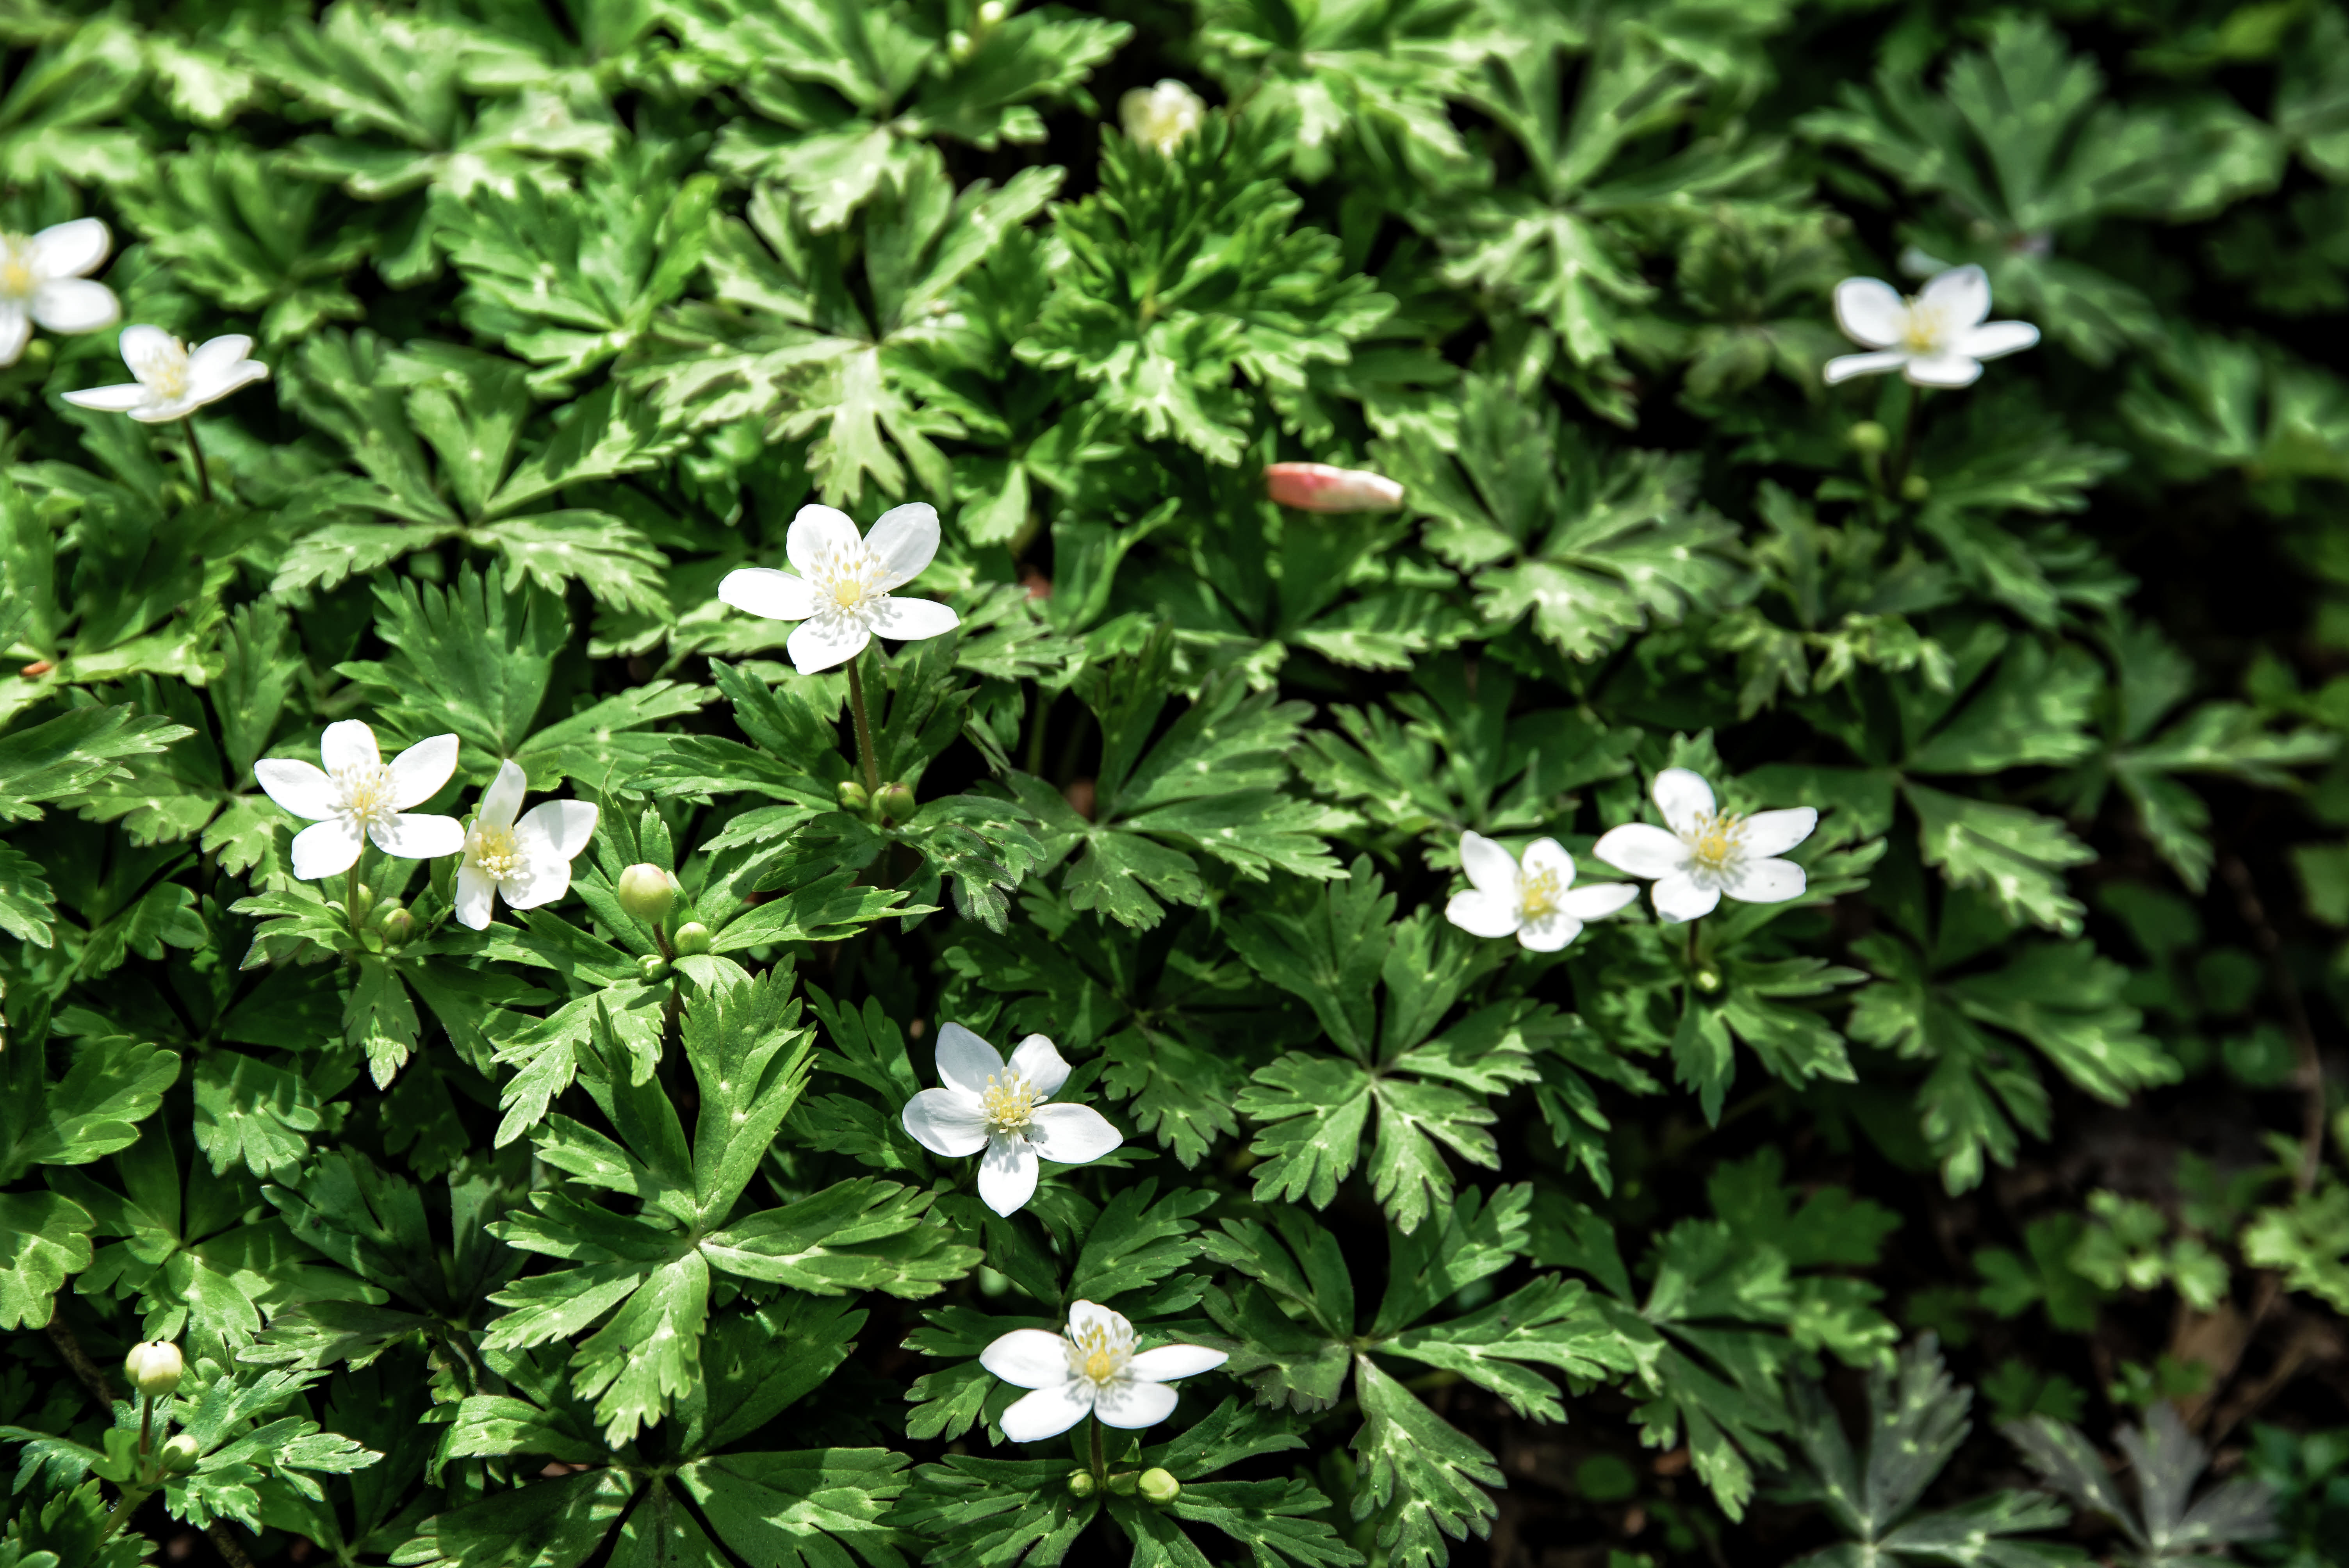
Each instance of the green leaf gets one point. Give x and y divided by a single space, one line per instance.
1423 1477
43 1240
75 753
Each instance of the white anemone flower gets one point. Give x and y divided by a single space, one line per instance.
43 283
528 863
842 590
174 380
997 1110
360 797
1160 117
1091 1370
1707 853
1534 901
1938 339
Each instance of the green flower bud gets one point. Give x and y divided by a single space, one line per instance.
154 1366
897 803
1869 436
1915 488
395 926
653 967
1080 1483
853 797
1708 981
647 891
991 14
181 1454
693 937
365 901
1159 1487
958 46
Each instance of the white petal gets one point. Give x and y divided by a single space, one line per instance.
1844 366
911 620
1085 1314
1132 1404
117 399
568 825
1047 1412
1548 855
1549 933
1682 898
1764 881
1944 370
966 1062
15 331
164 413
1958 299
217 357
904 541
75 305
1169 1362
948 1124
70 250
1491 869
300 789
502 801
417 773
547 879
1483 914
144 345
827 641
1599 900
215 387
1642 850
1995 338
763 590
349 744
1028 1358
327 849
1682 796
818 536
1040 1065
1072 1134
418 838
1007 1174
1871 311
1776 832
477 893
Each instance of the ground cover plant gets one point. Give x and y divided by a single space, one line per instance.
1379 782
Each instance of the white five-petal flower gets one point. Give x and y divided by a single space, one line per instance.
174 380
1160 117
360 797
527 861
1707 853
44 282
844 588
1938 339
1091 1370
1534 901
998 1112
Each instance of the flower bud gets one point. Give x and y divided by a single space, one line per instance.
1915 488
958 46
1317 487
397 925
991 14
653 967
1160 117
363 903
647 892
1080 1483
154 1366
853 797
1708 981
692 937
1868 436
181 1454
1159 1486
897 803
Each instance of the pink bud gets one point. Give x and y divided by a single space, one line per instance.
1317 487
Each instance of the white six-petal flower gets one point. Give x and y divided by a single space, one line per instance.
360 797
1160 117
1707 853
174 381
1938 339
44 282
998 1112
842 590
1535 901
528 863
1091 1370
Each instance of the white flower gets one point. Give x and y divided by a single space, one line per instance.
42 281
1537 902
173 382
358 795
1160 117
1093 1369
1708 853
528 861
843 589
988 1106
1938 339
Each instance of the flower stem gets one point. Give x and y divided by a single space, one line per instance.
1100 1465
196 450
1907 440
146 1420
863 728
351 891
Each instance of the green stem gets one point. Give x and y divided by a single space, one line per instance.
1100 1465
864 729
127 1505
351 894
204 474
146 1420
1908 441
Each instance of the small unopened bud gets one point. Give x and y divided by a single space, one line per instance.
693 937
1160 117
1080 1483
653 967
181 1454
154 1366
853 796
991 14
958 46
1708 981
37 669
1869 436
1159 1486
897 803
1915 488
395 926
1317 487
363 902
647 892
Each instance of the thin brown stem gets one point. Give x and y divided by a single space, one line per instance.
92 1377
863 728
226 1544
196 450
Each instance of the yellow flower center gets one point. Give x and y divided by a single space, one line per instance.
1097 1353
163 369
1538 896
17 277
847 593
367 792
495 852
1011 1106
1713 841
1099 1365
1925 330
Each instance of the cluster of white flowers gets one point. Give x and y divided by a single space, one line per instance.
1700 854
358 798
